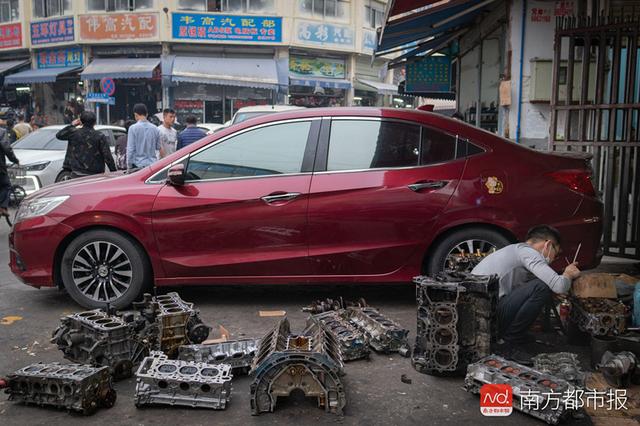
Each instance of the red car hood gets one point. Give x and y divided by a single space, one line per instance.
61 188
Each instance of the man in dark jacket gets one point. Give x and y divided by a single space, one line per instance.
87 149
5 183
191 134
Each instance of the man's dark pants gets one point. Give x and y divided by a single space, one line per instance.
520 308
5 189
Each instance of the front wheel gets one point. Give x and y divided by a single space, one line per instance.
64 175
103 267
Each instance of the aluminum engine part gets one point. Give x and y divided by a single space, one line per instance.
172 322
465 261
354 343
326 305
599 317
455 321
160 380
237 353
99 339
384 334
564 365
528 385
309 362
619 369
74 387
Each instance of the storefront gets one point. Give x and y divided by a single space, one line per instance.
317 81
369 86
14 57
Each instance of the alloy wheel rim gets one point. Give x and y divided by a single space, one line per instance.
102 271
473 248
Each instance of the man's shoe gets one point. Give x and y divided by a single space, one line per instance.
519 356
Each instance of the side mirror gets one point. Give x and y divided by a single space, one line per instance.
175 175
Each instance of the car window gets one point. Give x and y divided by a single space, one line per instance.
38 140
272 150
107 134
359 144
118 133
437 147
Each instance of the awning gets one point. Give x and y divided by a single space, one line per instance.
42 75
242 72
382 88
400 7
6 66
327 83
120 68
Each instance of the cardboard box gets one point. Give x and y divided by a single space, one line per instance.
595 285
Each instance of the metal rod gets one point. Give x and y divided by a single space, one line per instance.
577 251
520 77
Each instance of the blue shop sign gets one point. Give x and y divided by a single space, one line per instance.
59 58
368 40
431 74
52 31
191 26
317 33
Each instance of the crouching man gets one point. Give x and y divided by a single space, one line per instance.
527 283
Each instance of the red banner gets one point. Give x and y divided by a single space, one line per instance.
10 36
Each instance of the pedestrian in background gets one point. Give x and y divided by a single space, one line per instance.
191 134
87 149
5 183
143 140
121 147
22 128
168 135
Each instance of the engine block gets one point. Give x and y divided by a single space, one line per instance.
71 386
537 394
384 334
599 317
455 321
160 380
309 362
564 365
97 338
354 344
237 353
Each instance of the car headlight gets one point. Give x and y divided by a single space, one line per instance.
38 207
36 167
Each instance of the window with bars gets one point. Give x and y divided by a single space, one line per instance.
47 8
118 5
373 14
9 10
338 9
233 6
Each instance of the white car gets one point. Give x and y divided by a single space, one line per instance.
246 113
42 154
210 128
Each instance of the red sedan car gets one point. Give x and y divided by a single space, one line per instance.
307 196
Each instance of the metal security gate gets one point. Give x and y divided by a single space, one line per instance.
595 108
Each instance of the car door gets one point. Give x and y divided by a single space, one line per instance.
243 209
376 193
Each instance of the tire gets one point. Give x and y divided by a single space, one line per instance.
103 267
437 260
63 175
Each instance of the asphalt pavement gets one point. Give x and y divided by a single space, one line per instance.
375 394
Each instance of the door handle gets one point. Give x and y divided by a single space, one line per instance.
430 184
280 197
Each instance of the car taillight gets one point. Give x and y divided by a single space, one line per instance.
578 180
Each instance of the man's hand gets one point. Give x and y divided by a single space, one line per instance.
76 122
571 271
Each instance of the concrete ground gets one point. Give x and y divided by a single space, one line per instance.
375 394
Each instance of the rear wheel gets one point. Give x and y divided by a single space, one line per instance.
462 250
63 175
103 267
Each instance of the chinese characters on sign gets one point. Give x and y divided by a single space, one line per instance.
564 8
10 36
58 58
431 74
539 14
226 28
574 399
368 40
53 31
316 33
119 26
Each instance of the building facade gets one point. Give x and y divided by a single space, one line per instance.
202 57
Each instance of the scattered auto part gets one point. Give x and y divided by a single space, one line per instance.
405 379
620 369
100 339
384 334
320 306
465 261
160 380
309 362
237 353
534 392
599 317
74 387
171 322
564 365
354 344
455 321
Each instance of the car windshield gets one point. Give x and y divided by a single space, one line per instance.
41 139
243 116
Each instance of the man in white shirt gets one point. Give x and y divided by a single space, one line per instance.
168 135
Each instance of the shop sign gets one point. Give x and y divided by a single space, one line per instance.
185 107
431 74
100 98
58 58
192 26
10 36
119 26
321 34
316 67
53 31
368 40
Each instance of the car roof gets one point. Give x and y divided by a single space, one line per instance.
268 108
97 127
